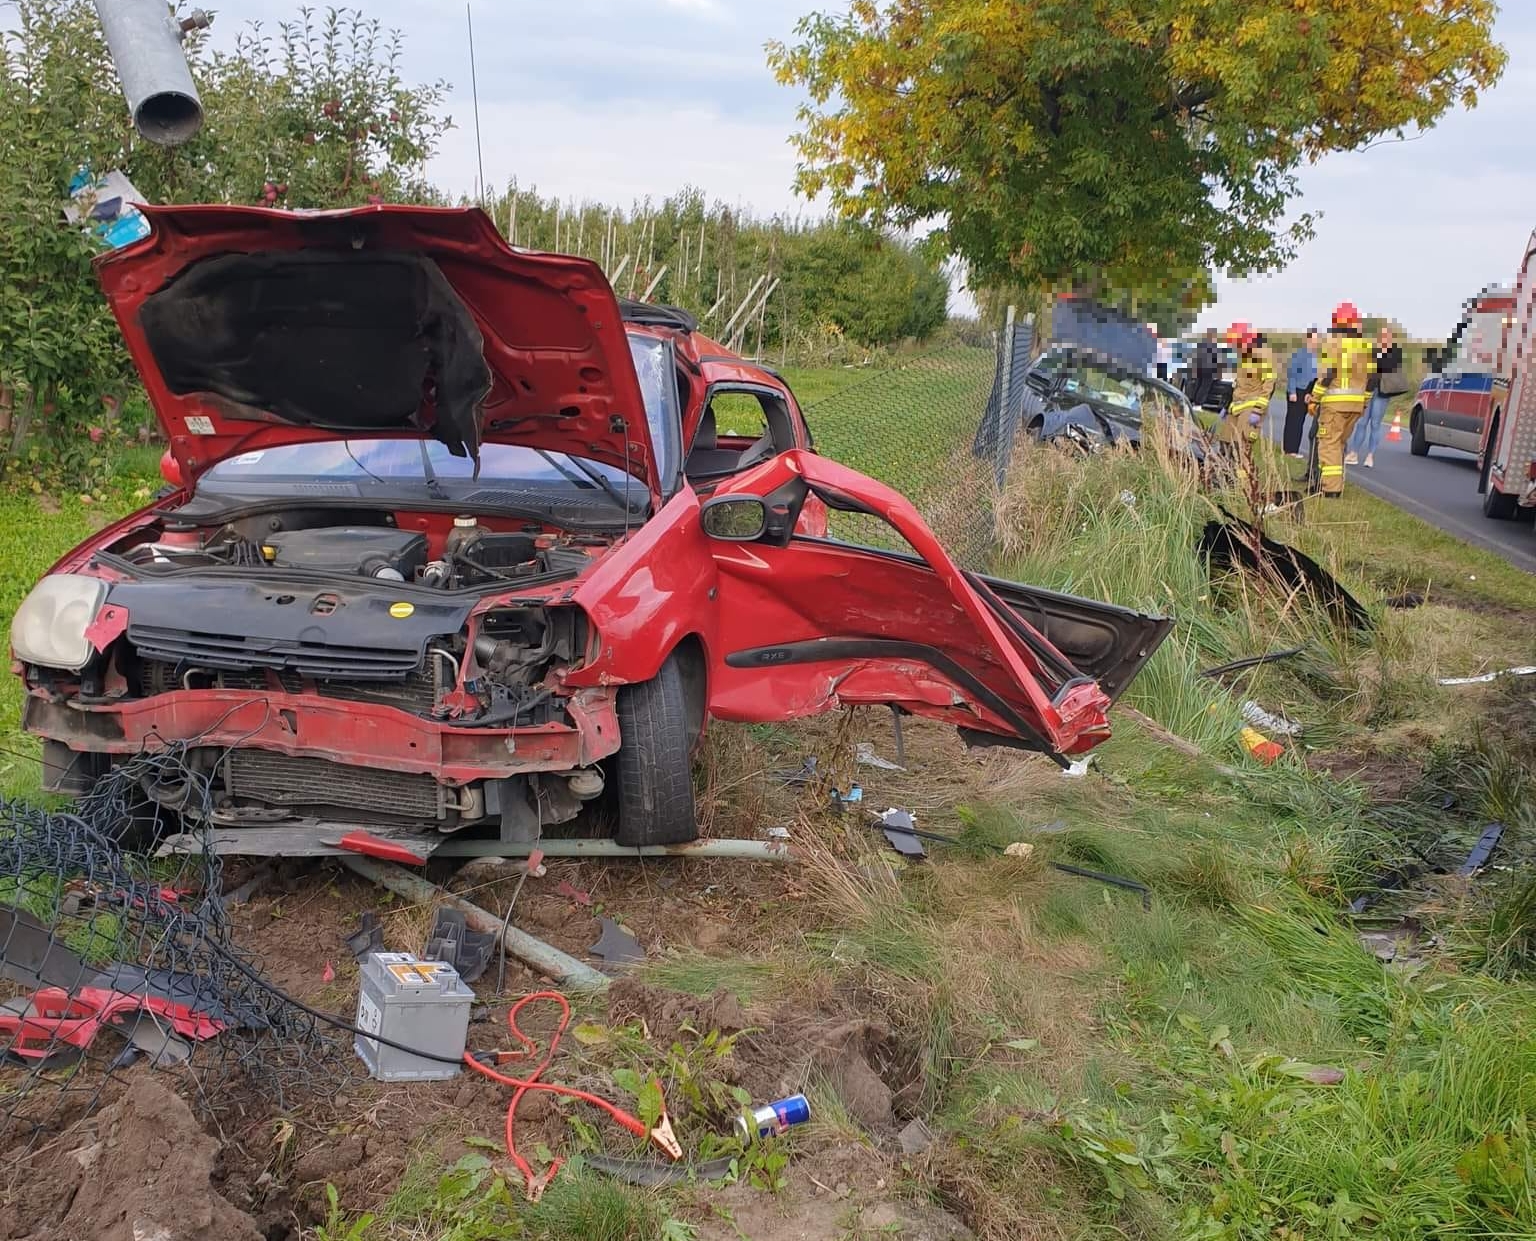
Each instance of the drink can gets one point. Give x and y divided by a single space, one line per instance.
773 1118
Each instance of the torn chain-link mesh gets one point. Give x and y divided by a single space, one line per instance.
89 926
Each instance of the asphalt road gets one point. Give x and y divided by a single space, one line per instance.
1440 488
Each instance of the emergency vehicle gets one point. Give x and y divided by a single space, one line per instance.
1507 452
1451 406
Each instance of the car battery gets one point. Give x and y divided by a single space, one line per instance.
420 1004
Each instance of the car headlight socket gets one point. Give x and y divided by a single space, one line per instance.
49 627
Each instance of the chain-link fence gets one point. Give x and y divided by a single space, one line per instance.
921 427
109 957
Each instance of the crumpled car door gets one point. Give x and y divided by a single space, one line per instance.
810 624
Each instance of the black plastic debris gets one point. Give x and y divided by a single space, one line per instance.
615 945
452 940
1482 850
369 936
1236 544
902 833
654 1175
1253 661
898 828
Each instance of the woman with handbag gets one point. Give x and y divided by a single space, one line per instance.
1388 381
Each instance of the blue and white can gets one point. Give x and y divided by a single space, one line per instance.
773 1118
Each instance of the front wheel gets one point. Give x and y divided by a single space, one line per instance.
1417 444
653 768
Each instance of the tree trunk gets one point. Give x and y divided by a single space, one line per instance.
23 421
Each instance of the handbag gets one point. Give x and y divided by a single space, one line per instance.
1392 383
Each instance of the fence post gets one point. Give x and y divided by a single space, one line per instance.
1003 448
1007 389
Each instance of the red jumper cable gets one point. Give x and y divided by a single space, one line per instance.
661 1136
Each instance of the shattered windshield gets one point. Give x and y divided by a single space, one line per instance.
1104 387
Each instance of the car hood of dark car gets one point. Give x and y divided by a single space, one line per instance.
253 328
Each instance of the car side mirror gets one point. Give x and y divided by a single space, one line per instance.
735 519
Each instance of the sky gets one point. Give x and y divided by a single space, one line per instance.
616 100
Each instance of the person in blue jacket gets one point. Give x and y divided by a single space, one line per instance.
1300 375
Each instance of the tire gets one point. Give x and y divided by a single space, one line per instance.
653 768
1417 444
1497 505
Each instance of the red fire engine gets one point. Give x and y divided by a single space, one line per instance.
1507 454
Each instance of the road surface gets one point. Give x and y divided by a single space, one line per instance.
1440 488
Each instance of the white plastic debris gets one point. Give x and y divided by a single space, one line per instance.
1078 769
1268 721
777 833
864 753
1128 498
1524 671
1020 849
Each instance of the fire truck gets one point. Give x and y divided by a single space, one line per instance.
1507 453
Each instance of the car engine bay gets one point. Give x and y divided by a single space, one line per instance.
468 557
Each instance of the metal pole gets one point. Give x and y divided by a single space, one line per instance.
1006 392
565 970
144 39
606 847
474 88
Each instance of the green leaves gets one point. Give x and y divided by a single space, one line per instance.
1126 141
61 110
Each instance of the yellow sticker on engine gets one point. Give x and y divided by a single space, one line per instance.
401 610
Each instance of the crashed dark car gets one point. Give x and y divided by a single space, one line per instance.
457 543
1089 400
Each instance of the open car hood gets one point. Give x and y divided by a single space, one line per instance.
253 328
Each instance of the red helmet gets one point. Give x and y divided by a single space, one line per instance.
1240 335
1345 314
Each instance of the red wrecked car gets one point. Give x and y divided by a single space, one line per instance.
458 540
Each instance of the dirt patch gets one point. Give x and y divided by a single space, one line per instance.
1387 776
141 1169
849 1196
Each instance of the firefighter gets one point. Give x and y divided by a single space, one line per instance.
1238 429
1344 368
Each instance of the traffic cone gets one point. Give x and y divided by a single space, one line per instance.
1395 431
1260 746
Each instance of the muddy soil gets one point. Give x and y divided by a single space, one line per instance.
139 1169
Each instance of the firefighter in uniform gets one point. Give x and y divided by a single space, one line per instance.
1252 389
1339 397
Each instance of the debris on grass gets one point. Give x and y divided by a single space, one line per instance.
1487 678
1267 720
1482 850
452 939
615 945
1260 746
864 754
